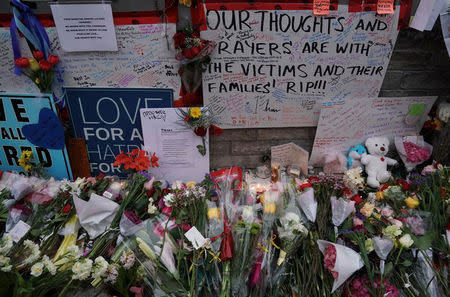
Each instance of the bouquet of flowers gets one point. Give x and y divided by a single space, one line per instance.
193 53
413 150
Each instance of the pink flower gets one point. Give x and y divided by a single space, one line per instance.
330 259
395 222
357 221
149 185
387 212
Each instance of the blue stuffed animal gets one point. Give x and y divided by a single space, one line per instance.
354 155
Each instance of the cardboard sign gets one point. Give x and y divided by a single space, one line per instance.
290 154
110 122
341 126
276 68
34 115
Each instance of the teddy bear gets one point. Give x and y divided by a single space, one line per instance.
354 155
376 161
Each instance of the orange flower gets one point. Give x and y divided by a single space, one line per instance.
141 162
154 161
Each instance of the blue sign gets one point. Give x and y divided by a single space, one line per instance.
109 120
37 114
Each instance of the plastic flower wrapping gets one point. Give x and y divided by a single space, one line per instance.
218 237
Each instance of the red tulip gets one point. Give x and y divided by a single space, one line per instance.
38 55
45 65
53 59
22 62
67 208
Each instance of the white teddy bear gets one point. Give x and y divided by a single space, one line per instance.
375 161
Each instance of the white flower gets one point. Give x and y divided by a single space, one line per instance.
100 267
73 252
406 241
151 209
4 261
36 269
291 222
352 177
6 243
49 265
169 199
82 269
34 252
178 184
6 268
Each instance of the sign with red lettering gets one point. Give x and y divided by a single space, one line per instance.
321 7
385 6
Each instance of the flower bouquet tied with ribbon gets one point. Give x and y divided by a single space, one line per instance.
193 53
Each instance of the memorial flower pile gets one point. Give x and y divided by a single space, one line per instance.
317 236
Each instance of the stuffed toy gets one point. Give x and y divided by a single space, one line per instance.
334 162
376 161
354 155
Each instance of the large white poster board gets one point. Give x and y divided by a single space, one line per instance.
166 134
145 58
277 68
341 126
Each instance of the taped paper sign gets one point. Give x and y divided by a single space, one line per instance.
277 68
341 126
145 58
290 154
321 7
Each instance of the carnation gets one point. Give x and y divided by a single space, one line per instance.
100 267
352 177
392 231
82 269
368 244
330 259
367 209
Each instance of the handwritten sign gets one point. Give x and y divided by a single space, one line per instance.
385 6
321 7
290 154
167 135
351 123
145 58
17 111
85 27
277 68
109 121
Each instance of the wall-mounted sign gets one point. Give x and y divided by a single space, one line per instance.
276 68
109 120
42 127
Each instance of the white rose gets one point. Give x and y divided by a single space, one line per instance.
36 269
406 241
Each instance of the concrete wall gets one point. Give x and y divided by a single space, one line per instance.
419 66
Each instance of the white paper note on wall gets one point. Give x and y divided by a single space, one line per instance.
166 134
85 27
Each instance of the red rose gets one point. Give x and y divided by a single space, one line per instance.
150 192
53 59
305 186
384 187
22 62
214 130
404 184
45 65
100 176
356 198
38 55
360 228
195 51
200 131
178 39
67 208
195 35
186 118
187 53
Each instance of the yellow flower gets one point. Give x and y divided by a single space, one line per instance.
379 195
213 213
188 3
37 81
34 65
412 202
270 207
191 184
195 112
27 168
367 209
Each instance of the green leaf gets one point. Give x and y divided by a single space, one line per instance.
388 268
424 242
201 149
406 263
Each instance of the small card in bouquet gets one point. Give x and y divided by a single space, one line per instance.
19 231
195 237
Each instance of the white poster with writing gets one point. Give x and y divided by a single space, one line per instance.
85 27
351 123
277 68
166 134
145 58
